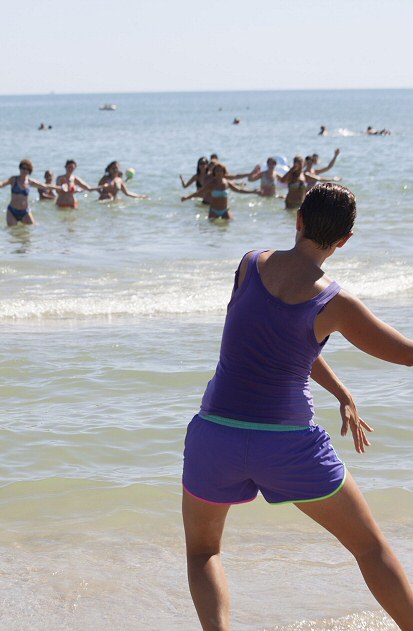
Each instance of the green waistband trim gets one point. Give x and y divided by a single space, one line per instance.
269 427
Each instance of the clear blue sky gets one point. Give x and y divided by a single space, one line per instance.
165 45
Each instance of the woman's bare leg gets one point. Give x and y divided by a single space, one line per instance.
28 219
11 221
348 517
204 525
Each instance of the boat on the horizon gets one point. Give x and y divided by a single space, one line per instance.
108 107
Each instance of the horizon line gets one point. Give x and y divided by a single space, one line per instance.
206 91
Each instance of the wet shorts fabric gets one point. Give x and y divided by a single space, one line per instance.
229 465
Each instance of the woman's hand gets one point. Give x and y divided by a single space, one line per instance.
351 419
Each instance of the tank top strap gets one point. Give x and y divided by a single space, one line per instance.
327 294
252 264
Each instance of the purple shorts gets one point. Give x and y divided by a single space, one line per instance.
229 465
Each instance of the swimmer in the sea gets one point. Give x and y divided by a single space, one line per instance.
313 174
199 177
47 193
208 177
217 189
112 183
268 178
311 163
297 184
375 132
18 210
69 184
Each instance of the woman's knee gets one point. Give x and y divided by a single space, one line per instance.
374 545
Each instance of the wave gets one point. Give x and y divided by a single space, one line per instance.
364 620
342 131
182 291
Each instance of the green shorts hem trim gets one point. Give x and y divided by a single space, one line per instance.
314 499
269 427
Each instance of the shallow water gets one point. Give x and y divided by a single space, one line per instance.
110 319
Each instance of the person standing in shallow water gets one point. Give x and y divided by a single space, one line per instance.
199 177
69 183
256 431
268 178
47 193
112 183
297 184
217 189
18 210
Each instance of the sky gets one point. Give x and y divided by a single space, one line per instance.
90 46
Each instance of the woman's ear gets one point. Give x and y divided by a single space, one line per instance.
344 240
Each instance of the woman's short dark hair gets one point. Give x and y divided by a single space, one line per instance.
28 164
71 162
328 212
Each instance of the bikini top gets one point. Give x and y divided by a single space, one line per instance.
71 186
297 184
267 179
217 193
18 190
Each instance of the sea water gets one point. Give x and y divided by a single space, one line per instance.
110 320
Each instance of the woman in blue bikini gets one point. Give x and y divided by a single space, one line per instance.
18 209
218 189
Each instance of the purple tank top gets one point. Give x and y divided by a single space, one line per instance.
268 348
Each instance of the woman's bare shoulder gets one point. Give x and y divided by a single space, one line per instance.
243 266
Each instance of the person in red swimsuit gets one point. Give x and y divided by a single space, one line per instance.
69 184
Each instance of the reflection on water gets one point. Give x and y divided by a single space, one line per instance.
21 235
68 216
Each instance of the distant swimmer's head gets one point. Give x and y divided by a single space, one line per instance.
26 165
48 177
315 157
213 157
219 170
112 168
271 162
328 213
70 165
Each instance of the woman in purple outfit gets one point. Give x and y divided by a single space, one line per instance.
256 431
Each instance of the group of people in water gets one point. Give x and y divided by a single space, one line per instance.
370 131
213 182
63 192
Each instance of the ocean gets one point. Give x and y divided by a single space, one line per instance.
111 317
